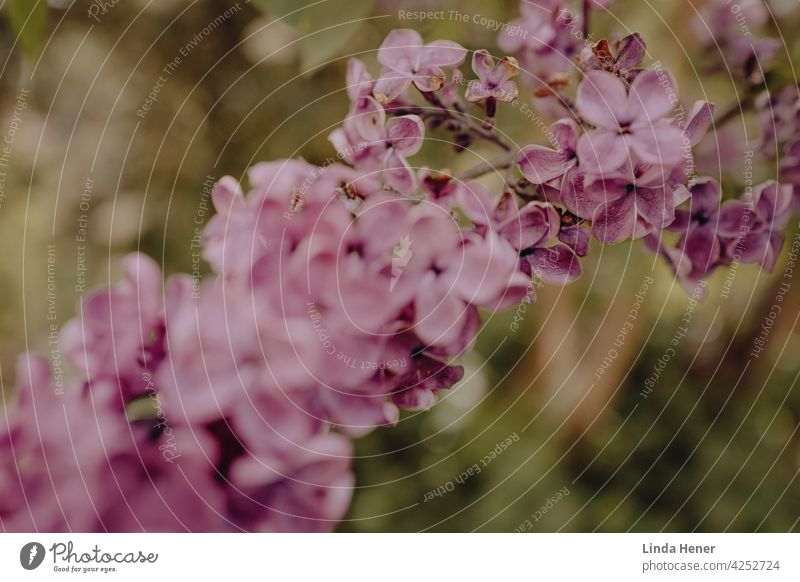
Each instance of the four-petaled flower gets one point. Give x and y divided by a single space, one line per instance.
494 80
406 59
629 123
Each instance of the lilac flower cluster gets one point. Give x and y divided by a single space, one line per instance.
779 117
348 291
729 31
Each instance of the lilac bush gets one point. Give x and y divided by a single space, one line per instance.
346 292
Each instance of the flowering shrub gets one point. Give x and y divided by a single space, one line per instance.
346 292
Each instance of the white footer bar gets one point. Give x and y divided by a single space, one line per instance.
401 557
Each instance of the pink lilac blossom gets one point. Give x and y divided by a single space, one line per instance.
494 80
545 40
407 59
729 32
628 121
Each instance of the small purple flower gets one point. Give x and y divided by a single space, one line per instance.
629 122
779 118
386 148
543 40
729 29
404 137
625 204
494 80
540 164
790 170
406 59
762 240
705 231
534 29
118 329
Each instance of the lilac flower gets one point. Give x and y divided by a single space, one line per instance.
628 204
118 330
718 21
719 28
534 231
715 234
494 80
770 211
543 40
415 386
790 170
535 28
404 137
779 118
706 231
539 164
386 149
406 59
628 122
451 273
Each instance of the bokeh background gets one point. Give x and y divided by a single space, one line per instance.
712 447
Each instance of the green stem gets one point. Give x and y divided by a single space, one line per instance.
501 163
467 122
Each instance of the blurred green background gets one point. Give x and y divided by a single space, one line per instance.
714 446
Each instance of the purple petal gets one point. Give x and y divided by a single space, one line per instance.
658 144
439 315
429 79
651 97
757 248
405 134
706 197
477 91
600 96
702 247
539 164
732 218
487 269
680 194
632 50
442 53
615 221
565 134
577 238
583 196
483 64
391 85
398 174
557 265
535 224
369 120
401 50
227 194
655 206
506 91
359 81
602 151
699 121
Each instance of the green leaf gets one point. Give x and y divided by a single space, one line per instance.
324 25
29 21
